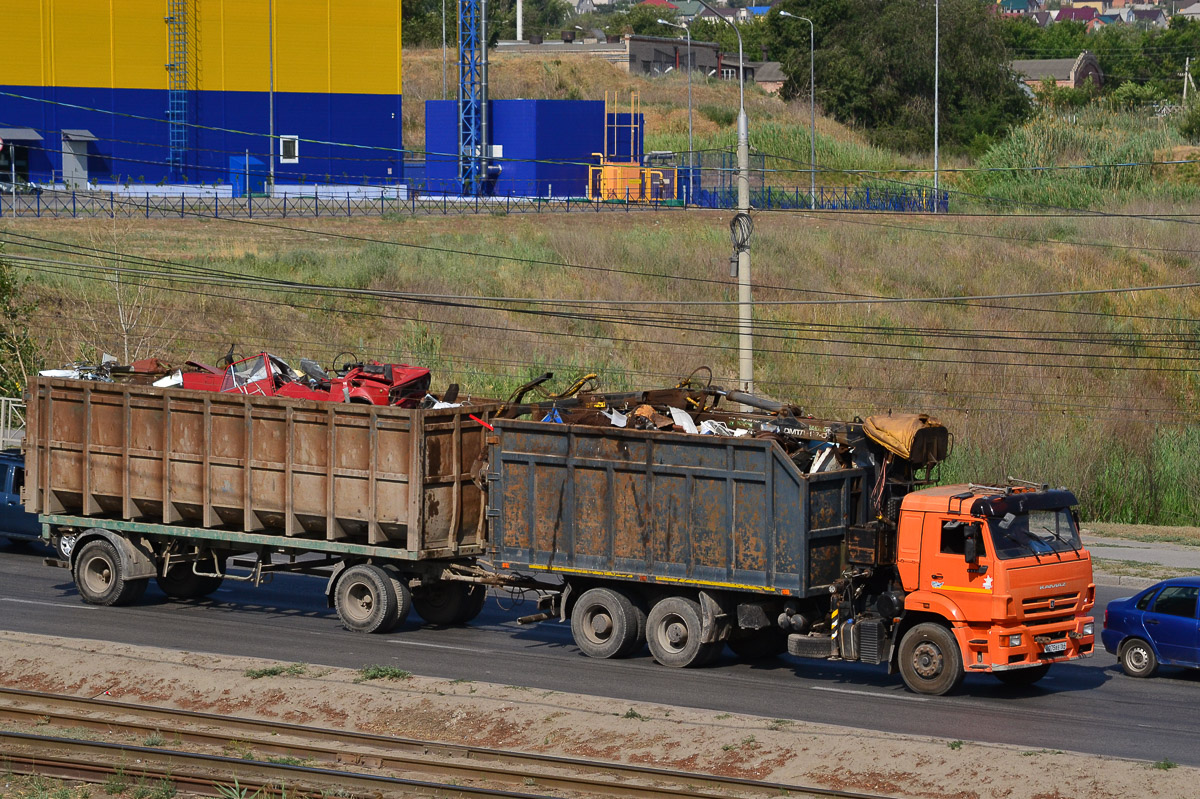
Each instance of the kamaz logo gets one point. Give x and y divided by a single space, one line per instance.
1052 585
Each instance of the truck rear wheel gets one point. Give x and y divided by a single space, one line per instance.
100 578
673 634
445 602
605 624
1022 678
930 661
365 599
181 582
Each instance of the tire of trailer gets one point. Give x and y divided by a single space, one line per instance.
445 603
930 661
365 599
100 578
673 634
404 600
1022 678
605 624
181 582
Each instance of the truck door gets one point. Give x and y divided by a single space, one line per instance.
1171 622
944 564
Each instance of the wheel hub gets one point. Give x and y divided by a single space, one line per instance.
602 625
677 633
927 660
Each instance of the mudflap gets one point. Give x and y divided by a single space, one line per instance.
715 622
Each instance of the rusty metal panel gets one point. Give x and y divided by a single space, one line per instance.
358 474
649 505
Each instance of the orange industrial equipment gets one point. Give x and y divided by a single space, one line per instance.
621 176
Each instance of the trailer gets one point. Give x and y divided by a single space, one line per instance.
134 482
689 543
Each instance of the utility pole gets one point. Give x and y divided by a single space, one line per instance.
937 35
271 96
742 225
1187 78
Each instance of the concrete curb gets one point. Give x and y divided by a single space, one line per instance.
1123 581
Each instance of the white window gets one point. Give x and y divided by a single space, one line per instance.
289 149
728 73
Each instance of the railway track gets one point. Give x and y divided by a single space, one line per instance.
311 760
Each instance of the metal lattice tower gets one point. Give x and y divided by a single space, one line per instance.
177 85
472 93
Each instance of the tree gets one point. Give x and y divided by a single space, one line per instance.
19 358
874 65
642 20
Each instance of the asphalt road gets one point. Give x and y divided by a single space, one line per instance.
1086 706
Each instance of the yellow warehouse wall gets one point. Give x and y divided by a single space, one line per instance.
321 46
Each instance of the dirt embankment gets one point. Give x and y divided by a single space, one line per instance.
576 725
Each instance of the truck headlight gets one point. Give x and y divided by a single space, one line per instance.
1014 640
1089 628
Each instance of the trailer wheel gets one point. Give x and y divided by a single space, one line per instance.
100 578
673 634
930 661
365 599
605 624
403 599
1022 678
180 582
446 602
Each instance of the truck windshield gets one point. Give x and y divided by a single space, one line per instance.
1038 532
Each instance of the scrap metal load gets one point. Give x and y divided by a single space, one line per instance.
269 375
898 451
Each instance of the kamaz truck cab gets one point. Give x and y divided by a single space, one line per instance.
995 579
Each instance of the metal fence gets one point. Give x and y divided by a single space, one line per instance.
12 422
75 205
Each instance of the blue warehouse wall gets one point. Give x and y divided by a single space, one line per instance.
543 147
113 68
128 147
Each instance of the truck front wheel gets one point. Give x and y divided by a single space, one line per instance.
930 661
673 634
100 576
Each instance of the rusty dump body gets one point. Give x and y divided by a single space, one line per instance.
650 506
360 478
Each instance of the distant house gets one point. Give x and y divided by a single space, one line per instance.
1066 72
1042 18
750 12
1076 14
1147 17
688 10
1191 12
769 76
1103 20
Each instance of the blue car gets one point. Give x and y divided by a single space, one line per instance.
1156 626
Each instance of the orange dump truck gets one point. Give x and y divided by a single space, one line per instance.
690 543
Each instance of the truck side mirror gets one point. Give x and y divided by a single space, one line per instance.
972 543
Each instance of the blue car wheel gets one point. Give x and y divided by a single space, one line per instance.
1137 658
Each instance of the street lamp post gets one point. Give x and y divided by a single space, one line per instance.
812 107
937 35
691 148
745 300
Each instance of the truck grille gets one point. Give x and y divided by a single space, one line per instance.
1059 605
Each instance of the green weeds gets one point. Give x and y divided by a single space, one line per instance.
382 673
281 670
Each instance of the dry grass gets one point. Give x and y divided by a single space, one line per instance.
1122 437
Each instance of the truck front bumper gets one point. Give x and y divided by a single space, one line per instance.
1017 646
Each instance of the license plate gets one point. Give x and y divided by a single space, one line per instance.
1057 646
